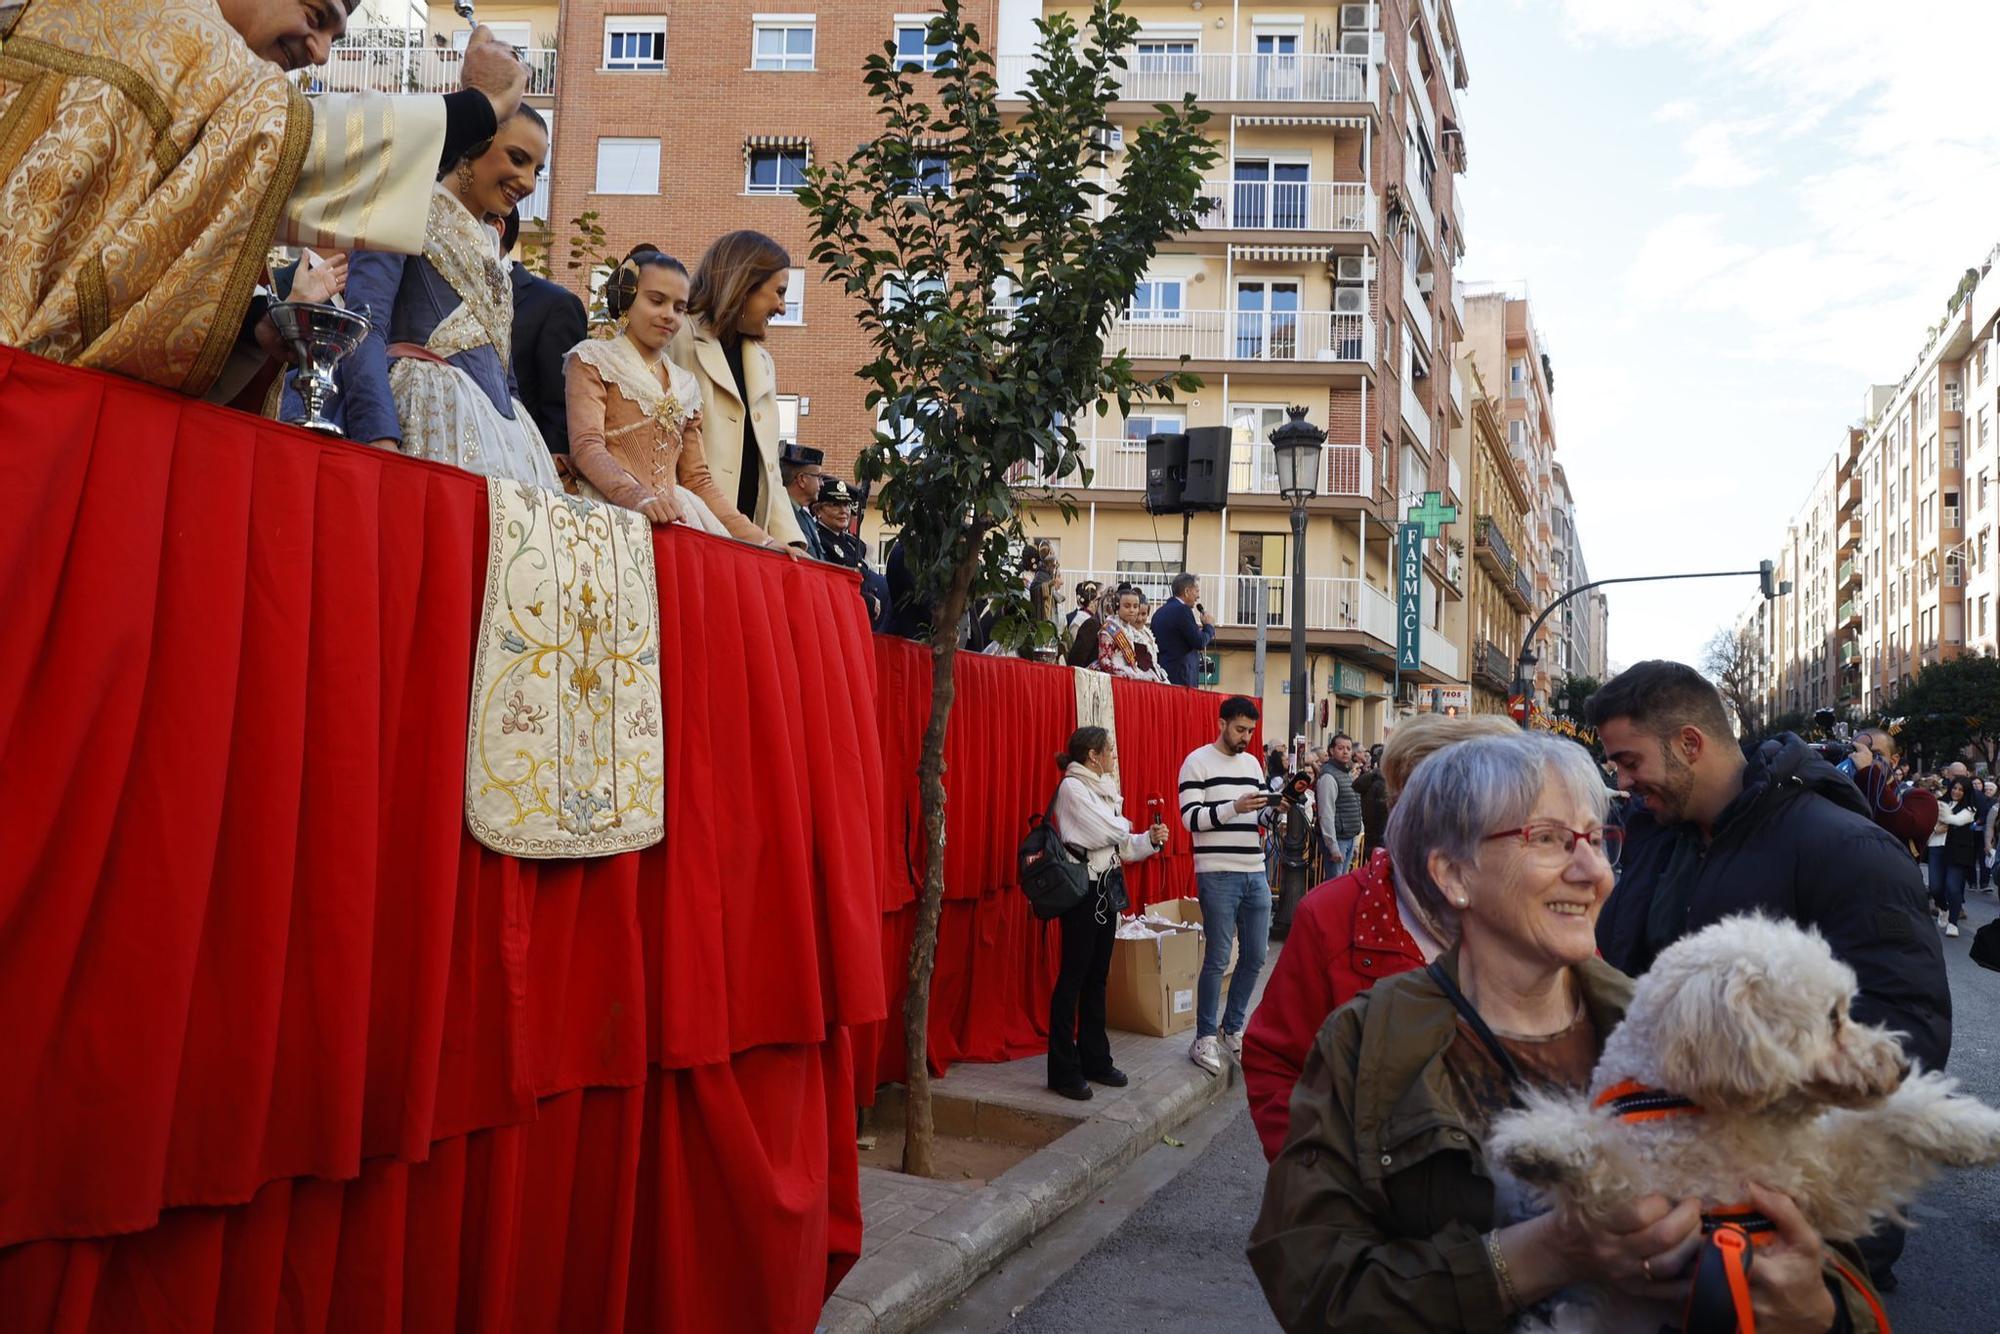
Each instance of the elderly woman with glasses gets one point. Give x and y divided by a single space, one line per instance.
1381 1212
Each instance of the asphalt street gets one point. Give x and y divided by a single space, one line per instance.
1160 1250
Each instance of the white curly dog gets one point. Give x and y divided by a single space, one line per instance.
1738 1062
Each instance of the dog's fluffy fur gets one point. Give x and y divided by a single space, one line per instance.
1749 1019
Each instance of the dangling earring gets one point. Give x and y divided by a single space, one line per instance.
464 176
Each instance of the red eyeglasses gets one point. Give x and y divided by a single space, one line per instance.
1554 841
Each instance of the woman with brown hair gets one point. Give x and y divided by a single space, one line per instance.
635 417
738 287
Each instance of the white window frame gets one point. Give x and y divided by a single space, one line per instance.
790 408
794 313
927 59
597 181
749 160
1153 313
784 23
1166 421
632 24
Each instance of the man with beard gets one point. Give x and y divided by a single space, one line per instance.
1781 833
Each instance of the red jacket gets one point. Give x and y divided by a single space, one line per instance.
1345 937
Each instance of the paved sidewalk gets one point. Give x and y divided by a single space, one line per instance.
925 1242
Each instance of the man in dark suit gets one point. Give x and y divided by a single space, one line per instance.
1182 634
548 322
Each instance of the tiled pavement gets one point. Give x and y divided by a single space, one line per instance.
924 1242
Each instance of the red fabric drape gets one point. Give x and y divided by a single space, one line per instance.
996 964
270 1010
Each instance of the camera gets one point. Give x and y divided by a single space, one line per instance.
1295 788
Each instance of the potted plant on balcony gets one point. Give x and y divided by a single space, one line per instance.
965 391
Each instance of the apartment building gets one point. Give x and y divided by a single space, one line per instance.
1501 338
1499 591
1892 561
411 46
1806 655
1321 274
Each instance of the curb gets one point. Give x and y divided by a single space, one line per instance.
919 1274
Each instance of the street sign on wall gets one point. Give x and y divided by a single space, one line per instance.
1409 596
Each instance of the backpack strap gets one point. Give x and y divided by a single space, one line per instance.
1479 1028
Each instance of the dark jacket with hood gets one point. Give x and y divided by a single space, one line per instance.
1796 843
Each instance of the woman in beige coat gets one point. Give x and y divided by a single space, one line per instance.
738 288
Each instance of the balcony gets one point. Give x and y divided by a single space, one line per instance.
1331 604
1458 301
1457 388
1119 464
1490 549
1420 199
1288 206
1417 303
1415 415
1849 613
1525 590
1439 654
535 208
1170 76
1453 480
1492 668
1846 575
1289 336
412 69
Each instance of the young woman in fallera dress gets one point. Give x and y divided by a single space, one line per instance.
634 416
432 378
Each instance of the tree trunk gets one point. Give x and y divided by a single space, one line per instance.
918 1127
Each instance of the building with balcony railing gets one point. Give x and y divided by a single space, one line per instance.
1320 271
1498 596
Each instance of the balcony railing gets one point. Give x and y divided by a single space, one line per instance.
1248 335
1453 479
1487 539
1457 389
535 208
1415 413
412 69
1458 300
1420 198
1170 76
1119 464
1331 604
1289 206
1492 667
1525 587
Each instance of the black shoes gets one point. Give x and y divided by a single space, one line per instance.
1079 1091
1112 1078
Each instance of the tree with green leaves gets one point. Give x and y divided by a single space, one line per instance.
1570 694
1951 708
987 255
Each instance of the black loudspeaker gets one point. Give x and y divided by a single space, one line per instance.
1207 484
1166 470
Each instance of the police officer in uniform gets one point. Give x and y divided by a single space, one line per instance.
832 529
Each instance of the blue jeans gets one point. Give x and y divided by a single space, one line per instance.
1339 855
1234 905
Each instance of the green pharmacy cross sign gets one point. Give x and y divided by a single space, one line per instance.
1432 514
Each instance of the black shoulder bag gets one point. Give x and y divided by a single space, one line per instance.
1049 873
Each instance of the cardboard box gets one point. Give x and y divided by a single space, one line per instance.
1151 989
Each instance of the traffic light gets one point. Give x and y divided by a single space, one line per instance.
1765 579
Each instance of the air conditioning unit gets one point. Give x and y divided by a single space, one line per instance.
1350 301
1357 43
1357 16
1354 268
1427 282
1111 140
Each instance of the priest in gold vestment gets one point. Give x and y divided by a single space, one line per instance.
151 152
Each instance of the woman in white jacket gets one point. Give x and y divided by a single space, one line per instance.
1089 816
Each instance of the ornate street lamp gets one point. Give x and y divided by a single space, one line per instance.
1297 446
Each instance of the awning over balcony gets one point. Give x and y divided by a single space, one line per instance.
1337 122
1283 254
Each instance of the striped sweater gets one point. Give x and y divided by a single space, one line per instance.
1225 839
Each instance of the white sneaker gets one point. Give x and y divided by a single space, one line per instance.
1207 1053
1941 918
1951 928
1234 1041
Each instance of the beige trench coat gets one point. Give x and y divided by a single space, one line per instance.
696 351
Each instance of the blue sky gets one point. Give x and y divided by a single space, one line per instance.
1732 217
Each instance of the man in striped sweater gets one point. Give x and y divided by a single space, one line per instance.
1222 797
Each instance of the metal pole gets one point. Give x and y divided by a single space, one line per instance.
1525 659
1298 620
1260 592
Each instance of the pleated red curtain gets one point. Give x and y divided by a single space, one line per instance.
283 1046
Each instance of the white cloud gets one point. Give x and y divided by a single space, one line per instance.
1674 112
1718 161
